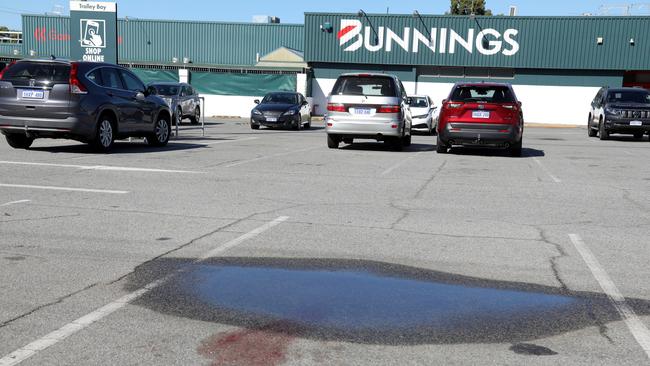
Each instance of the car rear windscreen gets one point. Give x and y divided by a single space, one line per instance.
629 96
43 73
365 85
490 94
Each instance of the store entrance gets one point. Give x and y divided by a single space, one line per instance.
639 79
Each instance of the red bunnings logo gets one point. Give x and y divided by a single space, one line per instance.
486 41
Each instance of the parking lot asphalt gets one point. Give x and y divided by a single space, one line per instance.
267 248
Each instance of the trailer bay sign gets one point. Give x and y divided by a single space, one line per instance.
93 31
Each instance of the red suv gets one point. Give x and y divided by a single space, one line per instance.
481 114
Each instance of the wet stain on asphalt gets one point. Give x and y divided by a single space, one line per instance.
248 347
368 302
532 350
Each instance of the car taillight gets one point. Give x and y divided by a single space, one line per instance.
336 107
453 105
6 68
512 107
76 87
389 109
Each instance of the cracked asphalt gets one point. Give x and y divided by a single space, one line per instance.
476 242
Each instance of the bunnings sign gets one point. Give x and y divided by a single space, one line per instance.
93 31
353 36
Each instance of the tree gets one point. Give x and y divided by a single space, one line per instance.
468 7
3 28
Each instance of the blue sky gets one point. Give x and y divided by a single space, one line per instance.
292 12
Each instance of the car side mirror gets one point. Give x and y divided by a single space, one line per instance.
257 101
150 91
304 102
140 96
409 100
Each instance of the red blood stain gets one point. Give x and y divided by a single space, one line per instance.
246 347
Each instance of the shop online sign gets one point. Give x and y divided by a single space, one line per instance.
353 36
93 31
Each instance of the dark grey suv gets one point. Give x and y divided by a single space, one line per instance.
619 110
90 102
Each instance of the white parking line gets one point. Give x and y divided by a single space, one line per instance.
68 189
402 162
14 203
634 324
268 157
99 167
48 340
554 178
227 141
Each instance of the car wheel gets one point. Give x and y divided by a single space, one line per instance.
515 149
308 124
297 125
104 135
406 140
255 126
162 131
590 131
178 117
196 118
602 132
638 135
348 141
18 141
333 141
441 147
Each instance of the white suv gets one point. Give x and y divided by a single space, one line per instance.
368 106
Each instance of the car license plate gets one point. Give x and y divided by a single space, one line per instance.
636 123
33 94
480 114
363 111
269 119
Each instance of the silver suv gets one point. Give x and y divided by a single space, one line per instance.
181 98
368 106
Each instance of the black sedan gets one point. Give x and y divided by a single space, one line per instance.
281 109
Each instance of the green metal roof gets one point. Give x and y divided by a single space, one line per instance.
541 42
158 41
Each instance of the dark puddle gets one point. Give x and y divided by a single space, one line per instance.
368 302
532 350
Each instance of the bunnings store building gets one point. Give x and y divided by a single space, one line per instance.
556 64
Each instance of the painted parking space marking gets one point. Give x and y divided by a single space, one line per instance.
402 162
14 203
99 167
268 157
50 339
634 324
228 141
545 169
68 189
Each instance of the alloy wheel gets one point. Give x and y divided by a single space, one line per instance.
106 133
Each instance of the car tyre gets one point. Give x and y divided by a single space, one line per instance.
515 149
638 135
255 126
348 141
196 118
590 131
441 147
406 140
19 141
603 134
162 131
178 117
104 135
333 141
298 123
308 124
